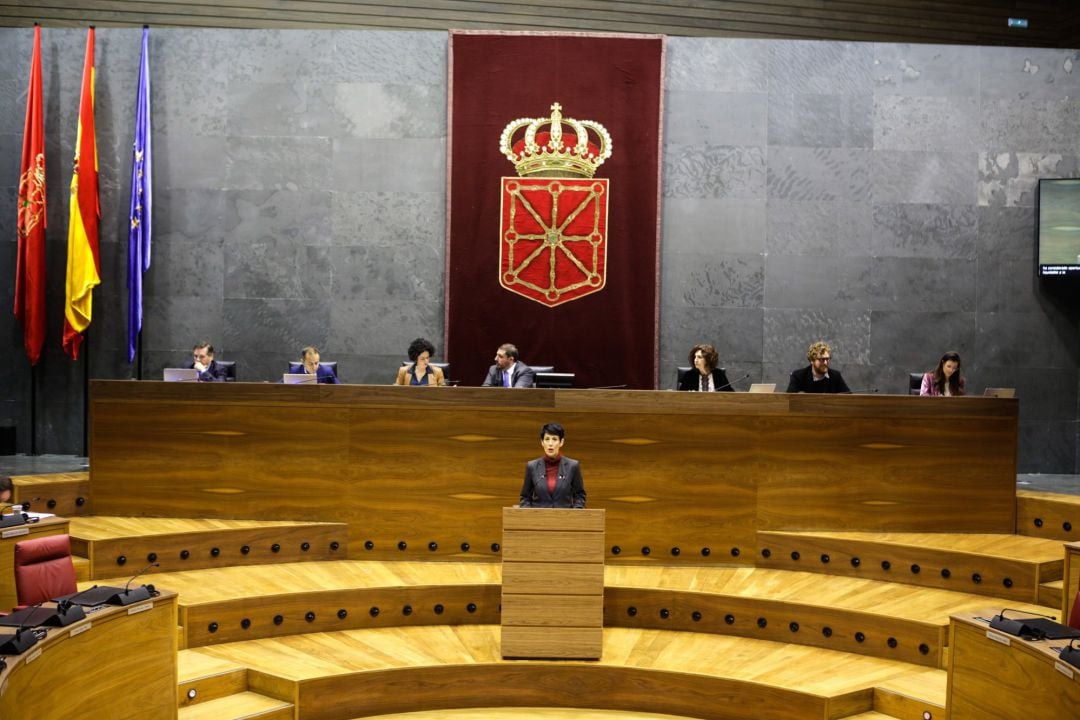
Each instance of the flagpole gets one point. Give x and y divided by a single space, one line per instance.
86 394
33 409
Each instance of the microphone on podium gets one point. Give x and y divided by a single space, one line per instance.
726 385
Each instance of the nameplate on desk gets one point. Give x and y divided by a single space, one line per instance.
1063 669
999 638
15 532
32 656
80 629
141 608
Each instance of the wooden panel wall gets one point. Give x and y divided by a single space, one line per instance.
978 22
683 476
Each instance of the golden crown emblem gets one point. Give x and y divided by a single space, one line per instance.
555 153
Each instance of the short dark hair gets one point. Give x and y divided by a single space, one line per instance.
417 348
204 344
6 484
309 350
552 429
510 350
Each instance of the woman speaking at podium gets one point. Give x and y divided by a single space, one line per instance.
554 480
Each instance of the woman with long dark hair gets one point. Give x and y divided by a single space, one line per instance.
946 380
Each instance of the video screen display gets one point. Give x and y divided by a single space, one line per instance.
1059 227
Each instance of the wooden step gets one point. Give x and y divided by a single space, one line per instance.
66 494
202 678
1048 515
916 695
894 621
358 673
1050 593
1003 566
119 546
239 706
525 713
82 568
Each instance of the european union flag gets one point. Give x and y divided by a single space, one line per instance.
141 197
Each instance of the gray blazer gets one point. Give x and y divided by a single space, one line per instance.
569 486
522 377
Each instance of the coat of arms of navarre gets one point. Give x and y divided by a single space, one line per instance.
553 229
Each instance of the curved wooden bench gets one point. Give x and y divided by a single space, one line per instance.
850 614
115 545
356 673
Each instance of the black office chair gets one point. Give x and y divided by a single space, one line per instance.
538 369
554 380
914 383
229 366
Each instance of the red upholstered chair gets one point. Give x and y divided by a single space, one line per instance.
43 569
1074 616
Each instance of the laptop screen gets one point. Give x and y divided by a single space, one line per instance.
180 375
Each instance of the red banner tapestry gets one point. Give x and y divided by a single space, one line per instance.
553 204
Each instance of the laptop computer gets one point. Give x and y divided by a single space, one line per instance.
180 375
999 392
762 388
299 379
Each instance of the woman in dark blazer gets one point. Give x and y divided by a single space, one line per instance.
553 481
708 377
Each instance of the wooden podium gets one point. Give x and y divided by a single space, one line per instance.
552 583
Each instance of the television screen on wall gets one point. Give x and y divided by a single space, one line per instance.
1059 227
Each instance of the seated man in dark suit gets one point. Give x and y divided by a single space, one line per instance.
508 371
209 371
553 481
324 375
817 377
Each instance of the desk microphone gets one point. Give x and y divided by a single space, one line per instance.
23 639
127 596
14 518
1018 627
608 387
861 391
729 384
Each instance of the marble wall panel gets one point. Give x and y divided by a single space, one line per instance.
936 123
834 68
917 340
823 283
379 327
820 174
808 120
379 165
701 64
923 285
389 56
1028 74
947 232
712 280
1040 126
1027 340
713 225
389 218
899 176
717 118
788 332
819 228
280 109
736 333
275 325
926 70
176 323
1010 179
1006 232
260 163
1046 447
376 110
713 171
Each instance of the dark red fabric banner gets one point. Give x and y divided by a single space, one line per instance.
608 336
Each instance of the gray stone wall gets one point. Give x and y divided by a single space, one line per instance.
878 196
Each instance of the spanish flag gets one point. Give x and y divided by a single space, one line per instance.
30 267
82 262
